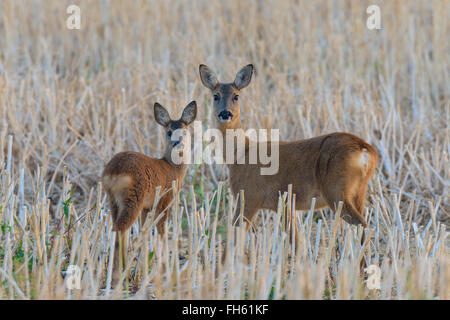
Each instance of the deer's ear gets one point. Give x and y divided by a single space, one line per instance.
243 77
189 113
161 115
208 77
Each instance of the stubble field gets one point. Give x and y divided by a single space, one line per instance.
71 99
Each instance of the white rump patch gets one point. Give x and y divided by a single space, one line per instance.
363 159
116 183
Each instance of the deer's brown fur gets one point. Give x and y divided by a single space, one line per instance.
130 180
332 168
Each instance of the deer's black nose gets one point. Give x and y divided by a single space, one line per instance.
225 115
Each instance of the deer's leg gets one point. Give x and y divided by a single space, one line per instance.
344 191
119 257
114 212
351 215
250 209
293 231
359 200
143 218
161 225
249 212
129 209
353 196
163 209
360 195
352 211
112 205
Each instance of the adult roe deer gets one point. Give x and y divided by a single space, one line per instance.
333 167
130 179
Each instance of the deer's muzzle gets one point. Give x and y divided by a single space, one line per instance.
225 116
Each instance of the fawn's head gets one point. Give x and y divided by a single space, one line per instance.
226 95
175 130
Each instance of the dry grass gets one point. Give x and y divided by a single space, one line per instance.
71 99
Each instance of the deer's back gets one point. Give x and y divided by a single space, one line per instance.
303 164
130 168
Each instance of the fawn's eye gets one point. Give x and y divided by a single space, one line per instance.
216 97
236 98
169 133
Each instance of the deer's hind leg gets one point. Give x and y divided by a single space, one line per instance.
345 190
129 208
359 197
162 212
143 217
119 257
359 200
112 205
353 205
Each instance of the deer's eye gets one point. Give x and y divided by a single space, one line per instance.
169 133
236 98
216 97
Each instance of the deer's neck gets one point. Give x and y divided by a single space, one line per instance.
234 143
178 170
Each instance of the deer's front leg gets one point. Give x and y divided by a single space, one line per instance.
249 210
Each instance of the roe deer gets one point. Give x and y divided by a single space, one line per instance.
332 168
130 179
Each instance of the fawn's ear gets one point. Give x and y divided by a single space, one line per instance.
189 113
243 77
208 77
161 114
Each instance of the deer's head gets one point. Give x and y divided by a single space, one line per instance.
176 130
226 95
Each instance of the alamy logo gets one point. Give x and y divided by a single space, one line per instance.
73 277
374 273
236 147
374 19
74 20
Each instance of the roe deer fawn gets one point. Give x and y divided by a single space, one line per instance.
332 168
130 179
